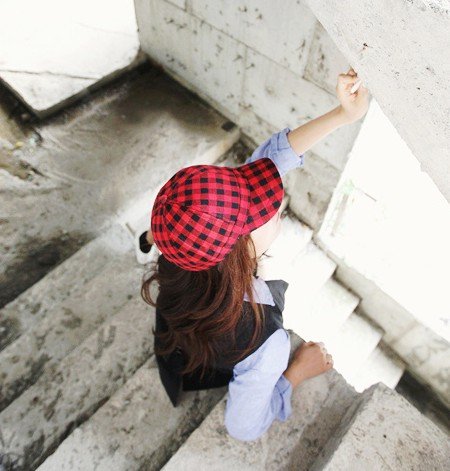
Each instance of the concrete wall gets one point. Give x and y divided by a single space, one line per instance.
265 67
398 47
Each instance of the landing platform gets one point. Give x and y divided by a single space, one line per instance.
52 52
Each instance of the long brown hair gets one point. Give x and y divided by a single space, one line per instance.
201 308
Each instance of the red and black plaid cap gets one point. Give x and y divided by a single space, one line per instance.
202 210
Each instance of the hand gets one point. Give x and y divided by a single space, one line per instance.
309 360
353 105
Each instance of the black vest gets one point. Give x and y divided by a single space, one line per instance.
222 373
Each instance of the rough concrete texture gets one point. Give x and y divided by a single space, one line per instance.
257 24
429 356
384 432
409 81
66 325
128 139
325 61
317 407
91 45
67 280
13 134
295 102
34 424
138 428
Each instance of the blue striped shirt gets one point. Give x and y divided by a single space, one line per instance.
259 393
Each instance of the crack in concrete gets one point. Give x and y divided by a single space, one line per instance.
47 72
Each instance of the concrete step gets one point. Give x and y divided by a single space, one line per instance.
96 160
69 392
317 408
311 269
138 428
352 344
213 146
68 324
92 47
277 263
382 366
67 280
329 309
383 431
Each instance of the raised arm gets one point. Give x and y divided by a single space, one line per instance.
353 106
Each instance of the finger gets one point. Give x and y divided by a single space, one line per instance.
329 358
346 79
364 90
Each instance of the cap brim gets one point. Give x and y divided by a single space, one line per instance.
266 191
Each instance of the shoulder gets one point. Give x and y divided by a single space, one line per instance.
272 354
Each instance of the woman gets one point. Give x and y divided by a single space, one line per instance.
217 323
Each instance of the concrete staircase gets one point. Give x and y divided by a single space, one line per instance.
80 389
321 309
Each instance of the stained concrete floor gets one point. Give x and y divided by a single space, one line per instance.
15 133
52 171
51 51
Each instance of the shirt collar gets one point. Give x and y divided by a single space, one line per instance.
261 292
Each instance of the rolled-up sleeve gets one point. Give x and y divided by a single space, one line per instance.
279 150
259 393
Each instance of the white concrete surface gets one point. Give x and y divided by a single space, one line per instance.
310 271
410 80
331 306
51 51
257 24
385 432
381 367
352 344
424 351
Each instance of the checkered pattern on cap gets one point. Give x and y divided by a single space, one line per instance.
202 210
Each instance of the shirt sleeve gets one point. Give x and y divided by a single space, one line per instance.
259 393
279 150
